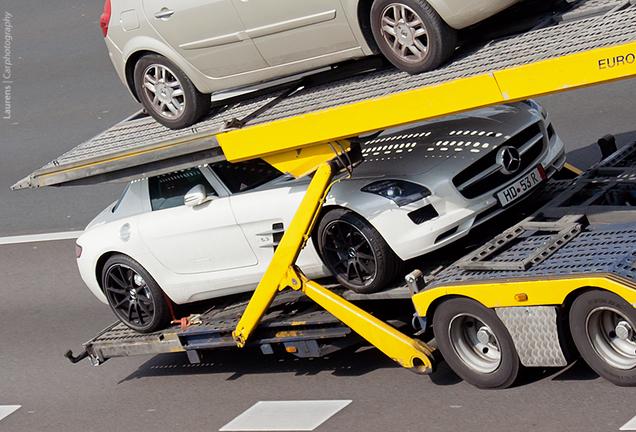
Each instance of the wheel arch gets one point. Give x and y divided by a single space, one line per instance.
101 262
323 212
435 304
364 23
131 61
330 207
569 299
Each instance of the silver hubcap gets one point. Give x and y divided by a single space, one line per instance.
612 337
164 91
404 32
475 343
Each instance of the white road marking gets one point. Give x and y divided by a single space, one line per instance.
31 238
286 415
629 426
5 410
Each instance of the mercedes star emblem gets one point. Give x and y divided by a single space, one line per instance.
509 159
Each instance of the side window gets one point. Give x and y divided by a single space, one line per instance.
243 176
168 190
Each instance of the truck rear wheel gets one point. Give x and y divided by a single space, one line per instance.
603 327
475 343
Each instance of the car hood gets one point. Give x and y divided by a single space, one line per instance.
456 141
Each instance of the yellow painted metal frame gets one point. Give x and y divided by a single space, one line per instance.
297 145
286 254
539 292
281 274
407 352
508 85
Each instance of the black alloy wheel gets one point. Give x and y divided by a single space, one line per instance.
355 253
133 295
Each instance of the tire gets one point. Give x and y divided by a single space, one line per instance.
355 253
603 327
134 296
411 34
167 93
475 343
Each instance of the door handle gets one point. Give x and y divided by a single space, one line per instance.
164 13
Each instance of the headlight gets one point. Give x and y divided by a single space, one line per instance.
399 191
537 107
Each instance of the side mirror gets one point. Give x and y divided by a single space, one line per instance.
196 196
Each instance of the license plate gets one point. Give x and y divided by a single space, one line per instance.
521 186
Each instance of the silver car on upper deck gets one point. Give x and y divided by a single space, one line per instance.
173 53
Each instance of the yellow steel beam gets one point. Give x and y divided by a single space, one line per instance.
516 83
408 352
286 253
304 161
526 291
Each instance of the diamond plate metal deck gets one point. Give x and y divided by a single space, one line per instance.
535 334
142 140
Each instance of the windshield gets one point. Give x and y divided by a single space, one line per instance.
246 175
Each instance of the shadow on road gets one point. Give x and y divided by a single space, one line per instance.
353 361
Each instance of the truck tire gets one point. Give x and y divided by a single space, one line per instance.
167 93
134 296
603 327
355 252
475 343
411 34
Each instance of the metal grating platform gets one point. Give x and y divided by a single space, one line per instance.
138 138
599 249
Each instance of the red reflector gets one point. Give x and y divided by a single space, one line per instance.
541 172
104 20
78 251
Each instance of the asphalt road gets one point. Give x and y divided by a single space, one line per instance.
65 91
45 309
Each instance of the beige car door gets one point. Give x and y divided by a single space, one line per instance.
207 33
286 31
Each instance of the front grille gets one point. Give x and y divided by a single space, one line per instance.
423 214
472 182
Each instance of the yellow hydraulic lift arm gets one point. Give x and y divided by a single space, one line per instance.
282 273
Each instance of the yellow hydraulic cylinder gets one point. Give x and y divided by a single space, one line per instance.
281 273
285 255
408 352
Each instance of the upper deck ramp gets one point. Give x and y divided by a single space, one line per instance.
569 52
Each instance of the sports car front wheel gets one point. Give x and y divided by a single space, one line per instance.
355 253
133 295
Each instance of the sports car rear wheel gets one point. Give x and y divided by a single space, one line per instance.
411 34
355 253
133 295
167 93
